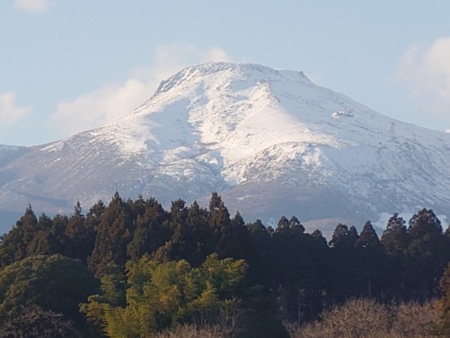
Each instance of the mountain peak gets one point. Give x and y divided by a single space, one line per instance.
230 71
269 141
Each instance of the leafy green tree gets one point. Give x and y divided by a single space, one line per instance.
55 283
162 295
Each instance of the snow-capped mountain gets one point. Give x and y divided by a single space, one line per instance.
271 142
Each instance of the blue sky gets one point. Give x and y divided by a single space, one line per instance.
68 66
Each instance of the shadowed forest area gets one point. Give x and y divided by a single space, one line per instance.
134 269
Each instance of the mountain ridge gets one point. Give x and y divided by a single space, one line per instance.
252 133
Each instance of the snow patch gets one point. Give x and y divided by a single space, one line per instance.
340 113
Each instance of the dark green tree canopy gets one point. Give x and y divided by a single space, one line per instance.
395 238
55 283
290 274
368 237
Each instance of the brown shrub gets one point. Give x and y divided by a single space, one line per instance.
192 331
359 318
417 320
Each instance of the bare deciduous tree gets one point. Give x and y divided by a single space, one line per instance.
359 318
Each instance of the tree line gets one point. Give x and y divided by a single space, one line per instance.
132 268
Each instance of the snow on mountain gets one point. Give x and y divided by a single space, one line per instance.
270 141
9 149
8 152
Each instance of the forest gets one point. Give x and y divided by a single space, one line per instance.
133 269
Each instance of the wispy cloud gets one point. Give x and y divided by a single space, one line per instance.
113 101
9 111
425 71
32 5
317 78
101 106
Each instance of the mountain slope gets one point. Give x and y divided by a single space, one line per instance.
269 141
9 153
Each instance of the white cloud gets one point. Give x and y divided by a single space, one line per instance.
100 107
9 111
171 58
425 71
32 5
317 78
113 101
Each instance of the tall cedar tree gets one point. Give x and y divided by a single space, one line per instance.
114 233
425 253
345 267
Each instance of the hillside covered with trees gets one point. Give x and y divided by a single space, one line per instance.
134 269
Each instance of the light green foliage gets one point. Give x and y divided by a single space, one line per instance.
161 295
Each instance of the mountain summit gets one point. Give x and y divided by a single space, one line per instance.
271 142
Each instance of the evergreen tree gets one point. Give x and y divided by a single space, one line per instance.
283 224
395 241
371 261
345 267
261 259
14 245
199 237
55 283
295 224
368 238
151 229
425 252
344 238
80 236
114 233
395 238
94 214
178 212
39 244
180 246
